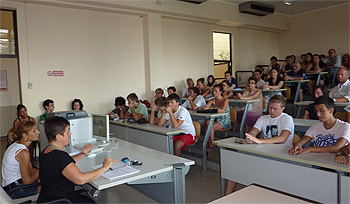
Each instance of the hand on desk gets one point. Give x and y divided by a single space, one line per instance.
87 148
341 159
298 150
252 139
107 163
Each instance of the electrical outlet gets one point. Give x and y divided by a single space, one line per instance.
30 85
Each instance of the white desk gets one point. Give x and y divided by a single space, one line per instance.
152 136
264 91
298 87
302 125
319 74
161 176
211 117
270 165
339 106
257 194
237 102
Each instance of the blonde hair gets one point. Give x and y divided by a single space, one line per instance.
278 99
23 128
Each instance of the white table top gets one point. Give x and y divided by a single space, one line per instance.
297 81
154 162
263 90
280 151
304 122
243 100
316 73
150 128
305 103
256 194
194 113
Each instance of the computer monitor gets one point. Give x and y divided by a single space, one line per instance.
100 126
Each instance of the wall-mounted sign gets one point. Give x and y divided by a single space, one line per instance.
3 80
55 73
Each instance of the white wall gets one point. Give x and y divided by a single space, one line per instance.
101 55
317 32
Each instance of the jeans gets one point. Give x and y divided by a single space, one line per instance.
24 192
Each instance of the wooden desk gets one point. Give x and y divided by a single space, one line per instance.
319 74
257 194
161 176
211 117
152 136
339 106
264 91
302 125
298 87
270 165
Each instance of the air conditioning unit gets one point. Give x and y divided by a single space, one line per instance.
194 1
255 8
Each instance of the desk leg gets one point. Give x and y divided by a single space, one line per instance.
297 93
339 187
318 79
179 183
241 129
205 143
299 110
171 144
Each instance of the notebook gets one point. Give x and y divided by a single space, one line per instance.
119 169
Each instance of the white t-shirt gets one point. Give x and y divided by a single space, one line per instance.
200 102
341 90
182 114
10 166
323 137
272 127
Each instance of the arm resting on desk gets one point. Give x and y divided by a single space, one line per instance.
343 99
326 149
256 95
274 140
73 173
279 85
343 158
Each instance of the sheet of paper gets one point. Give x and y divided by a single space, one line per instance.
120 172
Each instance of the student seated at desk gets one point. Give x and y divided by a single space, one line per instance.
342 155
274 82
202 88
226 93
329 135
136 110
49 108
341 92
275 128
297 74
221 104
255 109
17 169
260 82
310 111
190 84
194 100
160 104
178 117
171 90
77 104
58 172
158 93
120 108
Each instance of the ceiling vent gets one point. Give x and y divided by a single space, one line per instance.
255 8
194 1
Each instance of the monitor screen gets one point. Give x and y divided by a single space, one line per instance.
100 126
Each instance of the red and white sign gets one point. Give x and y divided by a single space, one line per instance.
55 73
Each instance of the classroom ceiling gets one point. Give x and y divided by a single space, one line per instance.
297 6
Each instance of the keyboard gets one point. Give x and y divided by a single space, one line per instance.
94 150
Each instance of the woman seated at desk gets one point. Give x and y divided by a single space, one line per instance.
255 109
58 172
227 93
310 111
220 103
77 104
274 82
17 169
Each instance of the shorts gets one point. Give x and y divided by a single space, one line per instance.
188 139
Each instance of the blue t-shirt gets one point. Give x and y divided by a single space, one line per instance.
301 73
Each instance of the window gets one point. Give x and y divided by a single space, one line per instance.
8 45
222 54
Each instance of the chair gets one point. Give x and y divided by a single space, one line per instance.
11 137
288 92
197 127
5 198
296 138
264 103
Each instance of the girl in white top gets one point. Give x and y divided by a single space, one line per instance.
16 167
194 100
